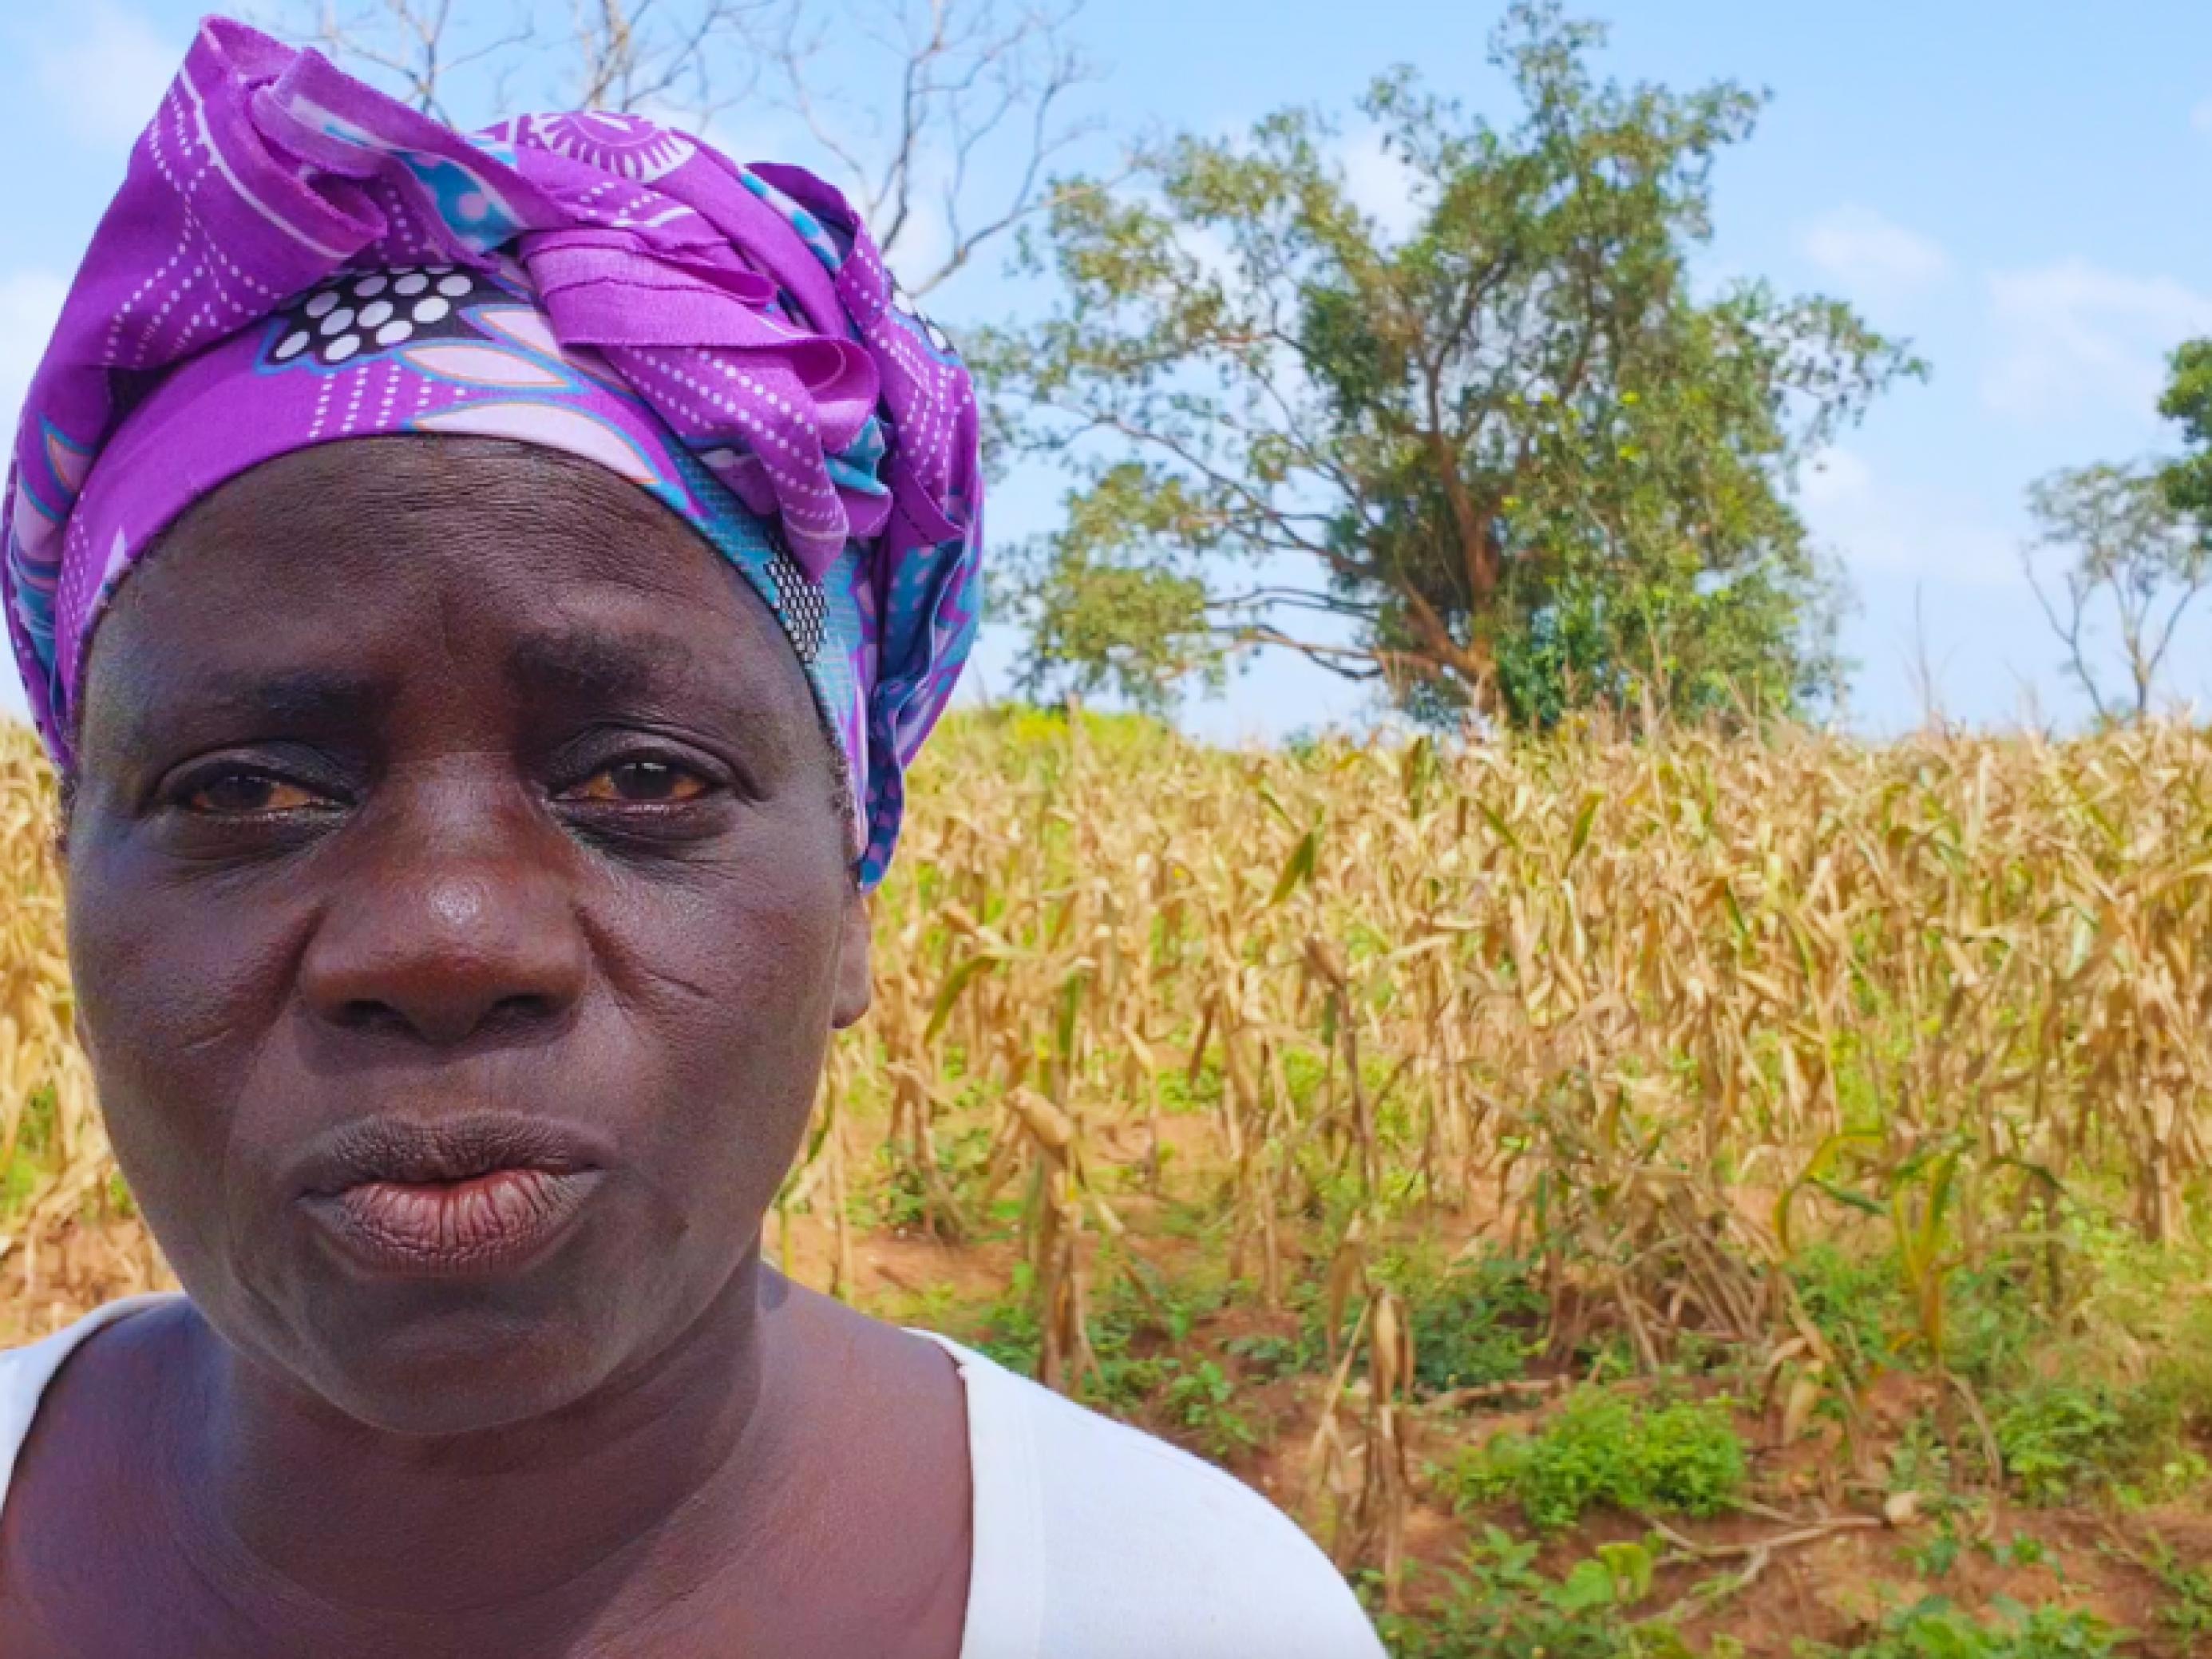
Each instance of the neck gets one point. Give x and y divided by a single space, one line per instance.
491 1521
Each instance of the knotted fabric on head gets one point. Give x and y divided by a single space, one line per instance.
294 259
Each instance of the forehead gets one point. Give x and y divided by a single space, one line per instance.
390 558
386 508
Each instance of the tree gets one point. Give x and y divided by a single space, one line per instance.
2188 400
1509 462
941 118
2120 543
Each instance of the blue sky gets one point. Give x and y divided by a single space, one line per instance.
2025 190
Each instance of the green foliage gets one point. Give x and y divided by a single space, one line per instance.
1111 623
1475 1324
1935 1628
1601 1448
2054 1437
1510 452
1198 1398
1853 1299
2187 1610
1010 1334
2063 1439
2188 400
1199 1402
1268 1355
1501 1606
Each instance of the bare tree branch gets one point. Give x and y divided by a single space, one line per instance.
960 73
1339 660
647 55
2125 546
946 118
413 43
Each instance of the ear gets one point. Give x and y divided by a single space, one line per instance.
856 979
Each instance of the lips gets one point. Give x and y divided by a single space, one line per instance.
467 1197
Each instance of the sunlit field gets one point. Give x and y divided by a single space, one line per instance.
1696 1195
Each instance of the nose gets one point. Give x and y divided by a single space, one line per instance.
445 929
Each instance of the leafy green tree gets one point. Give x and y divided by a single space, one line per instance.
2188 400
1510 461
2121 544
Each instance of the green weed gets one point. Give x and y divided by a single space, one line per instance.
2061 1440
1502 1606
1935 1628
1198 1401
2187 1610
1602 1449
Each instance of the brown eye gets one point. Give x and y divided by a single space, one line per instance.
640 782
249 795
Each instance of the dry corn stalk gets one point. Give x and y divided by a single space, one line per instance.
1605 1000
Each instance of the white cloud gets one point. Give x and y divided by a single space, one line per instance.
30 305
1380 183
106 75
1882 527
1872 255
2076 333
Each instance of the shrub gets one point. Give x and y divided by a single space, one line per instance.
1602 1449
2061 1440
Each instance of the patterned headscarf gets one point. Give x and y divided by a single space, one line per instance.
295 259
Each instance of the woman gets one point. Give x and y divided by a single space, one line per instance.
482 595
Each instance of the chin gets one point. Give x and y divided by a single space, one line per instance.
447 1359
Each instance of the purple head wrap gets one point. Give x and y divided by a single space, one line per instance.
295 259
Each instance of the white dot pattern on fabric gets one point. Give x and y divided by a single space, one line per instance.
805 608
389 308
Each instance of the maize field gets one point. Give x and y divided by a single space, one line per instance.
1369 1116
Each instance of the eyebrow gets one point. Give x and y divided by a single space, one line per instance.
590 663
301 698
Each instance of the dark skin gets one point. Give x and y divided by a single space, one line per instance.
429 776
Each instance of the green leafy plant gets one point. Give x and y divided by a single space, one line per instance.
1199 1401
2061 1440
2186 1609
1500 1605
2055 1438
1601 1448
1476 1324
1269 1355
1935 1628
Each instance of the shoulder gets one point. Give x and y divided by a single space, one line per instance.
1134 1546
27 1373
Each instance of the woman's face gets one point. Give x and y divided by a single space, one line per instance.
459 908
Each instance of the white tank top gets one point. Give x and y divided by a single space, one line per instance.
1092 1541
